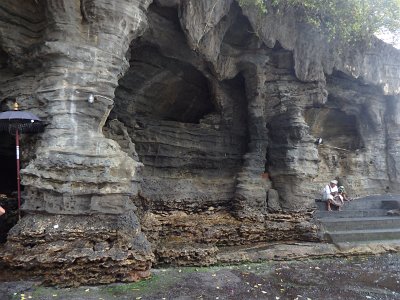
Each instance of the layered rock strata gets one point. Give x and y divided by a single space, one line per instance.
210 136
271 95
182 238
80 184
71 250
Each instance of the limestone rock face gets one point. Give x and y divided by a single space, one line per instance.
96 249
75 48
202 130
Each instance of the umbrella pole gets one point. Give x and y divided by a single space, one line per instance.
18 177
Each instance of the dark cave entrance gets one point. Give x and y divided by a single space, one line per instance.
353 124
164 88
342 120
8 173
189 128
166 80
335 127
8 184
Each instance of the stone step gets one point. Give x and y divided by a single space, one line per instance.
387 245
391 204
362 204
363 235
371 202
362 220
383 197
350 213
362 223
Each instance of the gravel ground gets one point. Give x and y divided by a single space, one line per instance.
368 277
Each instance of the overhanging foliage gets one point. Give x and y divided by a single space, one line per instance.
349 20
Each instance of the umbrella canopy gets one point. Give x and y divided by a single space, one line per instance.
23 121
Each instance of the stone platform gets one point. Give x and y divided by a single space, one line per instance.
365 220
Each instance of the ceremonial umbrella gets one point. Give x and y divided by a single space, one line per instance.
16 121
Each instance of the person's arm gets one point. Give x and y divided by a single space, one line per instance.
346 198
2 211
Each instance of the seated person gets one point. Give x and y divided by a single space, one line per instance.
331 195
343 194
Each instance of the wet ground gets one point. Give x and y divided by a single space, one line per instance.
370 277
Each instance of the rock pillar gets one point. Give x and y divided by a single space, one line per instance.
79 188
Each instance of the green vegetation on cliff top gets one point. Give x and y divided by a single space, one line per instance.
349 20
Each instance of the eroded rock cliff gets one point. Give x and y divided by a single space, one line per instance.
80 184
201 134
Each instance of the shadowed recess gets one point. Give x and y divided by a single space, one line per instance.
335 127
166 88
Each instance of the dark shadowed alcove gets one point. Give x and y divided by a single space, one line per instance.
165 88
240 34
188 127
8 173
8 184
335 127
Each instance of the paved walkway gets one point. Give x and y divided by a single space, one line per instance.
364 277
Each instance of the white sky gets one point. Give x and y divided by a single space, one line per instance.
390 38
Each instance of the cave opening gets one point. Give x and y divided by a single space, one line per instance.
164 88
188 127
335 127
8 171
165 81
8 184
241 34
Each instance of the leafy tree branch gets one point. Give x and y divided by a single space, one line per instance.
349 20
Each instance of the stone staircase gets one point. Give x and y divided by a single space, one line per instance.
363 220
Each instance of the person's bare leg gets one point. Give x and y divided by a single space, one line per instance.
328 206
2 211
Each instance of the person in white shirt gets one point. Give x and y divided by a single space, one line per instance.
331 196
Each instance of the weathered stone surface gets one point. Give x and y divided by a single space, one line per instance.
73 250
76 48
211 133
314 56
166 102
179 232
273 200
